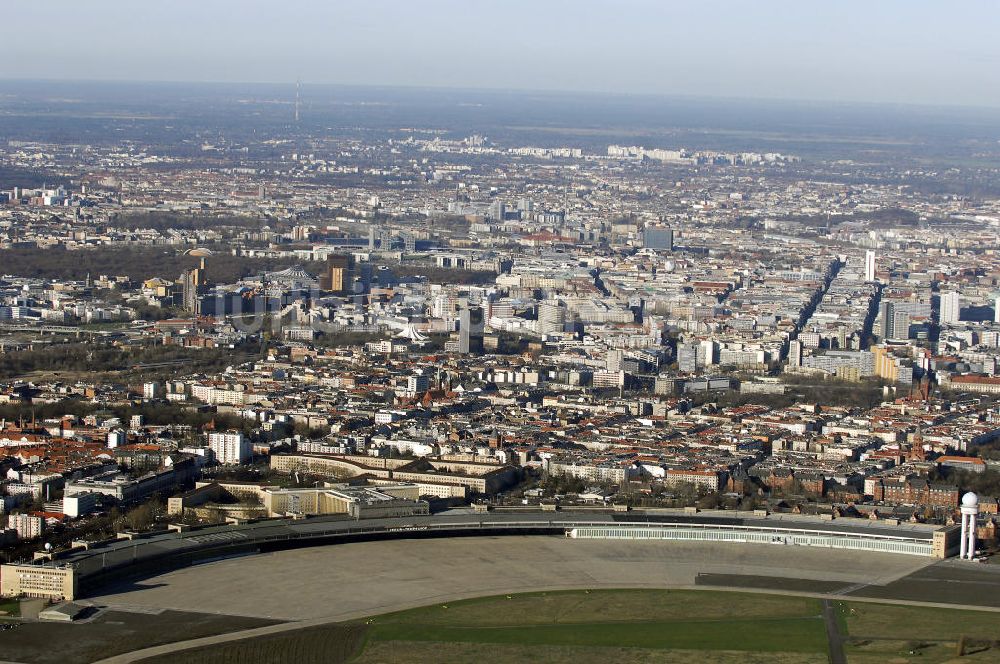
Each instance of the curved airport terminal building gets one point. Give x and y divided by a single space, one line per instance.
87 567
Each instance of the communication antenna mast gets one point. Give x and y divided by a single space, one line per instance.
298 84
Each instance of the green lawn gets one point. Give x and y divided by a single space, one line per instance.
331 644
435 652
626 627
917 622
880 633
10 608
647 619
603 606
893 652
804 634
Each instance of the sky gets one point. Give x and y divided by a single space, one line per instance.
897 51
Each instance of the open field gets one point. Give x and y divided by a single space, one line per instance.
625 625
653 619
603 607
918 622
110 633
901 652
409 652
881 634
331 644
628 626
573 626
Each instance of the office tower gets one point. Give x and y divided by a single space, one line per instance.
551 317
616 359
900 324
996 309
687 357
894 319
193 283
708 350
795 354
498 210
409 242
869 265
951 307
339 274
658 238
470 330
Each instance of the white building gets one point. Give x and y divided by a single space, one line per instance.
117 438
417 384
795 354
870 265
230 447
551 316
27 526
951 307
80 504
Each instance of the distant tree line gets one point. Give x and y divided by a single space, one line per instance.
143 262
165 220
159 413
136 263
77 357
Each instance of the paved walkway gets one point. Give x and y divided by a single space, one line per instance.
833 634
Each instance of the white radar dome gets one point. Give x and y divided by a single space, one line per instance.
970 500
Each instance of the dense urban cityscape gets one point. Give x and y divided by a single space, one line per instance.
667 333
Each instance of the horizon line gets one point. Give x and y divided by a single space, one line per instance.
555 92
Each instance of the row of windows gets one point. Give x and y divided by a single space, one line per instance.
705 535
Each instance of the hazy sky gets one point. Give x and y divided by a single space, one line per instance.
912 51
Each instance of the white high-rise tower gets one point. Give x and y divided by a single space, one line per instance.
951 308
869 265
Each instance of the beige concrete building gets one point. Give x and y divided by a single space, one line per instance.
258 500
485 478
945 541
45 581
